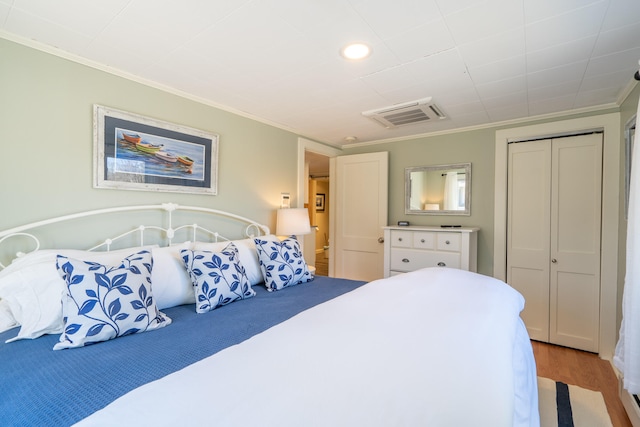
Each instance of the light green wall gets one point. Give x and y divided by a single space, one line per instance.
475 146
46 136
47 146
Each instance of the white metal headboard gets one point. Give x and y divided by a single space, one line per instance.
252 228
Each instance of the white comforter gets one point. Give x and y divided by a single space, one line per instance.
436 347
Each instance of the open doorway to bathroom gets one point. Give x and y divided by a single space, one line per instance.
319 205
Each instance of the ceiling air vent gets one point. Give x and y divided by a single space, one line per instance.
420 111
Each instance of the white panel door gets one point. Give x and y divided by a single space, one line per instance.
360 208
575 241
528 239
553 237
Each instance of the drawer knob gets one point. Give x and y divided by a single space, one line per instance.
399 239
442 264
421 240
447 242
405 259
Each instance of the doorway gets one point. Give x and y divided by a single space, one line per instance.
311 160
318 203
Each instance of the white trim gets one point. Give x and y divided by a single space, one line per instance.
314 147
120 73
610 124
512 122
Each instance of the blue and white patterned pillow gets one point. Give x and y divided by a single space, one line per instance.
103 302
282 263
218 277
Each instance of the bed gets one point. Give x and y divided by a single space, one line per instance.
438 346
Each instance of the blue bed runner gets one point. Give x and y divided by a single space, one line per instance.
39 386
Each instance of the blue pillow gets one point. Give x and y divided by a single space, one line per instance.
103 302
218 277
282 263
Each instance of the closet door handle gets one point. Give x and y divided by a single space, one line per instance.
555 261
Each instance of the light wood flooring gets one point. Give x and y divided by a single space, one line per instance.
322 265
583 369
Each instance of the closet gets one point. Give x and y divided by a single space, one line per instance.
553 236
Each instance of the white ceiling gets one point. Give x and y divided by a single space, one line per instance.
278 60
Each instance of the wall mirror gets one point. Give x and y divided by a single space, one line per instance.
438 190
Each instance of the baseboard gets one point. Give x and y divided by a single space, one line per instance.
630 403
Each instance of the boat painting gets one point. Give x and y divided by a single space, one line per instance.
119 163
147 147
185 160
160 156
167 156
132 138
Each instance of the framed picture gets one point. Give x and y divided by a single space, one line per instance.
319 202
133 152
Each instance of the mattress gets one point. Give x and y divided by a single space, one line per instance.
436 347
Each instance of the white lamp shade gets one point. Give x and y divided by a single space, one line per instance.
293 222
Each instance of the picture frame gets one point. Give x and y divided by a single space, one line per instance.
320 199
134 152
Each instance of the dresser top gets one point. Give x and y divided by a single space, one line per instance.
433 228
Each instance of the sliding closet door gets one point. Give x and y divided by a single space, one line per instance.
553 240
528 240
575 241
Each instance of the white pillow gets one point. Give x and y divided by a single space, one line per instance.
7 321
34 297
50 255
169 279
32 288
248 256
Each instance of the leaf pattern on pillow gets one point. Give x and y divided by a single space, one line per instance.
282 263
104 302
218 277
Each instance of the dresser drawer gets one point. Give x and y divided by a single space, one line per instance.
411 259
448 242
424 240
409 248
401 239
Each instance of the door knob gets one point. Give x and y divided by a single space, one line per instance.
555 261
380 239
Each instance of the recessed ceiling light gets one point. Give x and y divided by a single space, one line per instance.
356 51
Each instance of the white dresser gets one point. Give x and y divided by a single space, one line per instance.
411 248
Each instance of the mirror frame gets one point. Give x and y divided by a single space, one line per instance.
467 190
